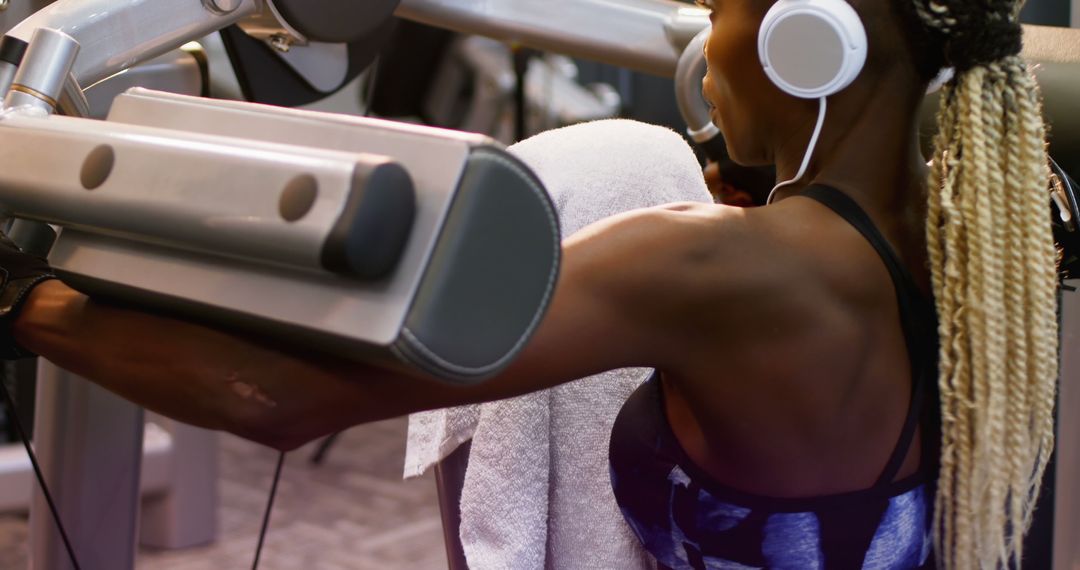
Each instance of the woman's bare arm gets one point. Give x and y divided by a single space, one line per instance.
198 374
608 312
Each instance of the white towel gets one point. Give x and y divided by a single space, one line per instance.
537 493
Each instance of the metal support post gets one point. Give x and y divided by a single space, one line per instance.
89 443
185 514
1067 492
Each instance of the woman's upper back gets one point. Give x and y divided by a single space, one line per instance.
796 458
794 366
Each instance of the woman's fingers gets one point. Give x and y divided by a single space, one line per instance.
731 196
725 193
713 180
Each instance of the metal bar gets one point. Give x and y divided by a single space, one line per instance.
89 444
692 105
119 162
646 35
158 477
45 68
117 34
1067 492
185 514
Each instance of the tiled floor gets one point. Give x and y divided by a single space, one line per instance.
353 512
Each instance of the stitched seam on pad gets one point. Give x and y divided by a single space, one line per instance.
545 201
407 356
396 351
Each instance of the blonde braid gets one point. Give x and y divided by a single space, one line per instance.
1042 287
998 438
994 275
935 218
958 383
952 331
1016 402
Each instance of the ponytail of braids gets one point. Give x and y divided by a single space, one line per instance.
993 266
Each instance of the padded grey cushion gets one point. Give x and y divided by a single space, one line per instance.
491 276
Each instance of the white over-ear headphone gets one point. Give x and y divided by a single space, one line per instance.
812 48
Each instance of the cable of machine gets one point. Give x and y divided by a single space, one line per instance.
37 473
269 508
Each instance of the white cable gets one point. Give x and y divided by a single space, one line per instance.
809 152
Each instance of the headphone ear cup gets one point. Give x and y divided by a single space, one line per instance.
812 48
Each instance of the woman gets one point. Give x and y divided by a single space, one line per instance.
792 421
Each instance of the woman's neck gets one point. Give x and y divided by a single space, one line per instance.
869 147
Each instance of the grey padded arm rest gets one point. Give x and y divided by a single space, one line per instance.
476 275
495 264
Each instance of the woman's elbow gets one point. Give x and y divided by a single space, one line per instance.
331 399
281 429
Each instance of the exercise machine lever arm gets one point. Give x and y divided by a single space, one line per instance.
645 35
117 34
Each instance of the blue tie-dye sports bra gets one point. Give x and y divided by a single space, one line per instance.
687 520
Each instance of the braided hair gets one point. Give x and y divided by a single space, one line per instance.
993 267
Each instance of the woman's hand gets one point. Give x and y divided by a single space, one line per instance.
724 193
20 274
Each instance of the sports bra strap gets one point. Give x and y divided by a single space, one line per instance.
913 310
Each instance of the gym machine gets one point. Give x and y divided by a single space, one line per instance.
413 247
417 248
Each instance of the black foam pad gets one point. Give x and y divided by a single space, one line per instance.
265 78
12 50
410 62
337 21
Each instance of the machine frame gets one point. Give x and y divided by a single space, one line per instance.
114 35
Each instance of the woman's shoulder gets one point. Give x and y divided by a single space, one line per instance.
681 261
723 251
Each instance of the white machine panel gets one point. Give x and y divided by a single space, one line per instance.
380 307
163 186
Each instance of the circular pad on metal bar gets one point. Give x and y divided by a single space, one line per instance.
298 197
222 6
97 167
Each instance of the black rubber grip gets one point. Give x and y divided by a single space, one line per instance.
35 238
12 50
367 240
